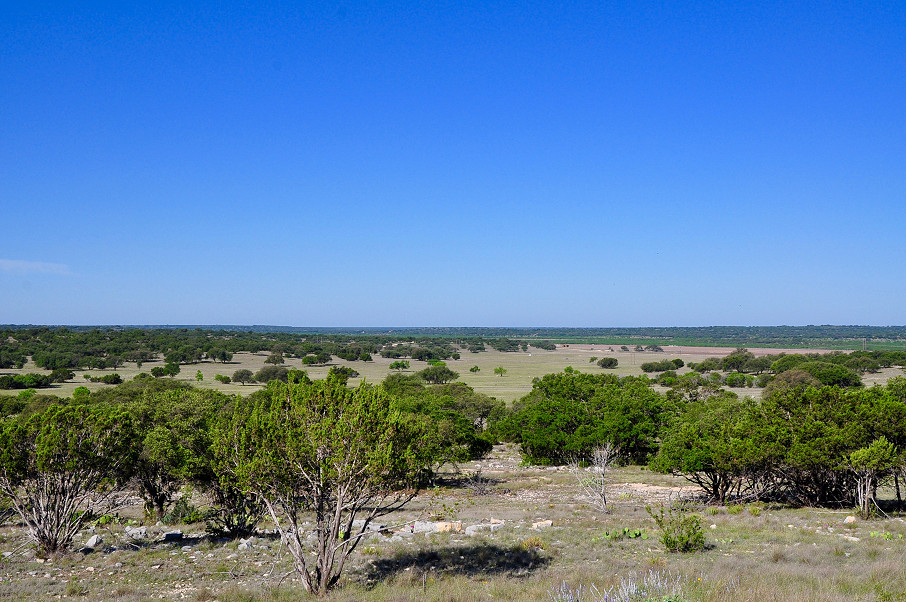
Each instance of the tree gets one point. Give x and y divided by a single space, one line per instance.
269 373
437 375
274 358
341 373
499 370
400 365
660 366
608 362
831 374
474 369
222 379
61 375
702 444
199 376
594 487
737 360
174 426
63 467
567 415
316 359
868 463
324 453
171 369
219 355
243 376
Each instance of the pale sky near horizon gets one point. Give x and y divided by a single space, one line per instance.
453 164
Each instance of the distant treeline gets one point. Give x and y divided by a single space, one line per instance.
56 348
110 347
835 337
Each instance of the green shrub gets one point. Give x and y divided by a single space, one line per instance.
184 512
661 366
681 530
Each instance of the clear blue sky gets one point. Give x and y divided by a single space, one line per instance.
445 163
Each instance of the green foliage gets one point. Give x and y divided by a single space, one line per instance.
437 374
681 530
757 365
567 415
608 362
705 442
222 379
618 534
402 385
107 379
341 374
457 417
235 513
61 375
499 370
184 512
667 378
474 369
660 366
10 405
786 362
269 373
274 358
175 429
341 453
243 376
707 365
505 344
11 357
51 463
738 379
24 381
868 463
400 365
831 374
315 359
736 361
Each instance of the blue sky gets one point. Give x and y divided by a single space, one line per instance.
453 164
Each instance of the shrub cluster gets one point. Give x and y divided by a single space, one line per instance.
795 445
24 381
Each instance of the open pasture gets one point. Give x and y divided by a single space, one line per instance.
521 368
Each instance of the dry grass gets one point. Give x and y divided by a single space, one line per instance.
781 554
521 368
766 554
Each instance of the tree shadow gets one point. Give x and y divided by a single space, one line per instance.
461 480
471 560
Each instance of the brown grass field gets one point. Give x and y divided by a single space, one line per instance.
754 553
